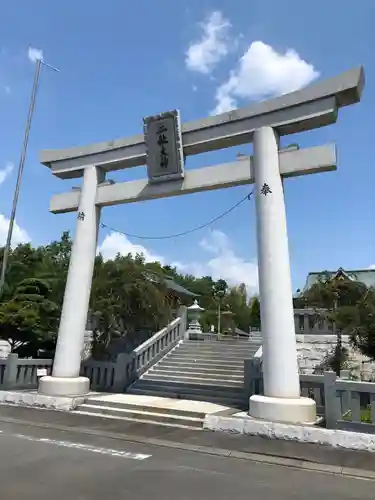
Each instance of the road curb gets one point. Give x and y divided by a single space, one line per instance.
249 456
242 423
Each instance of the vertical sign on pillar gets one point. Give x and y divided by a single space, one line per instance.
163 138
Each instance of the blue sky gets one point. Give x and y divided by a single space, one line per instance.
125 60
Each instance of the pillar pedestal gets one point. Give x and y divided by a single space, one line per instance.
281 400
65 379
297 411
64 386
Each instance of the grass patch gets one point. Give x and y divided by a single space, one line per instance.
365 415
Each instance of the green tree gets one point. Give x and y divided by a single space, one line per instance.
29 320
125 303
55 264
49 263
337 300
363 327
24 261
237 302
254 313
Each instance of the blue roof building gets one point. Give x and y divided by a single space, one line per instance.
365 276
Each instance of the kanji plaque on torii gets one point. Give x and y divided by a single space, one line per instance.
163 141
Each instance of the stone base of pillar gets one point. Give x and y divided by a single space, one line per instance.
293 411
59 386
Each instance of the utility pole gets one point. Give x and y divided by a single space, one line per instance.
21 165
218 291
219 316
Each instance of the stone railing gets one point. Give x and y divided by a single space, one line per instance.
101 373
344 404
157 346
16 373
117 376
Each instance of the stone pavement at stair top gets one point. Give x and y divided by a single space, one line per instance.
33 398
158 402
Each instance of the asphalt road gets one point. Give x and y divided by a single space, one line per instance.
42 464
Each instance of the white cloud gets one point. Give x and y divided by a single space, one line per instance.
35 54
204 54
372 266
6 171
219 259
223 263
19 235
115 243
262 72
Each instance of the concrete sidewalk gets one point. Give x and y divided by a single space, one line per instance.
257 448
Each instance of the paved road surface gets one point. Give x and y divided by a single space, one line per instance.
43 464
185 439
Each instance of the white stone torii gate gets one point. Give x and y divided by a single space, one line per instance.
262 124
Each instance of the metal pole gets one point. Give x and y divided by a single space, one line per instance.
19 175
218 318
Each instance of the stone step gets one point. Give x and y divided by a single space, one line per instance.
140 415
222 349
212 354
234 402
185 385
202 356
178 369
231 342
145 408
197 365
137 421
218 346
227 367
193 378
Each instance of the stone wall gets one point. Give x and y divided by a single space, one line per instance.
312 349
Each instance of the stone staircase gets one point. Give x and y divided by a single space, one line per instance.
209 371
154 411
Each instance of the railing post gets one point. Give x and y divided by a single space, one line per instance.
330 400
252 376
345 374
182 313
10 373
346 396
120 375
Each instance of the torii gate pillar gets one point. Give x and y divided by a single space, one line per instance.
281 400
66 380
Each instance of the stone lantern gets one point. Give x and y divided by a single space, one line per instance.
228 323
194 313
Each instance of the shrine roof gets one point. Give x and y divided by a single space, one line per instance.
365 276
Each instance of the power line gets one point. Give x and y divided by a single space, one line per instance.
189 231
